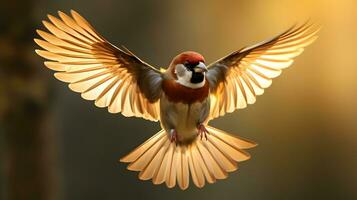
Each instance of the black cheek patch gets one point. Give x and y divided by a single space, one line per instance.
197 77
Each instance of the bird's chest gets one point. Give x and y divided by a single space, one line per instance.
178 93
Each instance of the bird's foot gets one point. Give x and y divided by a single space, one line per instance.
173 135
202 131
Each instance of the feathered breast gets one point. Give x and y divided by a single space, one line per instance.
176 92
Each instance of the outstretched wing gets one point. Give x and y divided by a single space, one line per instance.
113 77
238 78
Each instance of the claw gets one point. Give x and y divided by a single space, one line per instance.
173 135
202 131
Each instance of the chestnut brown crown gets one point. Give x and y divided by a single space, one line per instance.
188 57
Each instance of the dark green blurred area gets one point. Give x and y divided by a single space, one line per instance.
55 145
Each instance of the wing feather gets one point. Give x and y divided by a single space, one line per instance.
110 76
238 78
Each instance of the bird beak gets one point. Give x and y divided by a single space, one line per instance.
201 67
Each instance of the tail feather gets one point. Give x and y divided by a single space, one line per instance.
153 166
171 173
230 152
201 166
136 153
205 160
185 171
176 171
197 175
217 171
145 159
165 166
233 140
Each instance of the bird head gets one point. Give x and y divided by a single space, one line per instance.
189 69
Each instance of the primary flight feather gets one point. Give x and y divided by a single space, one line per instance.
183 98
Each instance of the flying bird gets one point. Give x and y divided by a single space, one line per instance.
184 98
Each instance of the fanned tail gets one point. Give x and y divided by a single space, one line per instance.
206 160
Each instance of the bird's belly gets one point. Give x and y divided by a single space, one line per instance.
187 120
182 117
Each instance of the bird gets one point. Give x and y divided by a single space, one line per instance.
183 98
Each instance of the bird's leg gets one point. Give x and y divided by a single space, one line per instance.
202 131
173 135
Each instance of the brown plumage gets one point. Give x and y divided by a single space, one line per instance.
181 94
184 98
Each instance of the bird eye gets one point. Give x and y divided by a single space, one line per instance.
187 64
190 65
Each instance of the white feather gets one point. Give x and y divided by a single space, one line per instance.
184 76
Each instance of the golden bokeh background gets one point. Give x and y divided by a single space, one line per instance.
55 145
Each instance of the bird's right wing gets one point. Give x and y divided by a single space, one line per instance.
113 77
238 78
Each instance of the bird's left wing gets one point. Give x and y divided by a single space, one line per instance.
113 77
238 78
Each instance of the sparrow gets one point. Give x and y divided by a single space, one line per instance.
184 98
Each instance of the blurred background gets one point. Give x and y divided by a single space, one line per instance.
54 145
